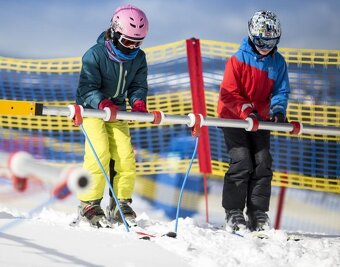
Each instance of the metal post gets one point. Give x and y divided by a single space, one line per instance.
198 101
185 119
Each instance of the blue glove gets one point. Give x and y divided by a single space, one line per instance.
279 118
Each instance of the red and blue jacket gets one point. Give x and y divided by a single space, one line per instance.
253 82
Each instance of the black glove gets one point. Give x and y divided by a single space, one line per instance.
279 118
255 115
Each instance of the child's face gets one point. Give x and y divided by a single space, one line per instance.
263 51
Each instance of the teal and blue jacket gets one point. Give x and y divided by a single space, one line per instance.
253 82
102 78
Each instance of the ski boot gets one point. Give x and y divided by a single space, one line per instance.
91 212
113 213
235 222
258 220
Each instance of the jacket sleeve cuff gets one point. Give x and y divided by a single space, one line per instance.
245 112
278 109
95 103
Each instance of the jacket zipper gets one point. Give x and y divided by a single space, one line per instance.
124 81
119 79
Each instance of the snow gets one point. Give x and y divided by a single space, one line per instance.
44 238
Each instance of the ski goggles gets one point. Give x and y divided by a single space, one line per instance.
129 42
265 43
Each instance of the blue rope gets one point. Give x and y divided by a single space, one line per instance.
30 214
183 185
106 177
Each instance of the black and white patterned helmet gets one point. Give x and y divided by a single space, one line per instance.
264 24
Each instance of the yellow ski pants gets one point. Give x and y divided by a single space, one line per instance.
111 140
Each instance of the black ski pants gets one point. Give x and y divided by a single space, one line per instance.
247 183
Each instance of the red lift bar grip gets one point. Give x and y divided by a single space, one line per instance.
61 190
158 117
19 183
196 129
253 124
78 118
297 127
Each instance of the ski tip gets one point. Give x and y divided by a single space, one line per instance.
171 234
145 238
294 238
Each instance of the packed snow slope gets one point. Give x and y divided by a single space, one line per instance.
43 237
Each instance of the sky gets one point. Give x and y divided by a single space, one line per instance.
67 28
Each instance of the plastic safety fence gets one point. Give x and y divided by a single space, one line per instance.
163 152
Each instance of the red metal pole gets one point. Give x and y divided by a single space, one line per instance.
198 102
280 203
206 197
280 207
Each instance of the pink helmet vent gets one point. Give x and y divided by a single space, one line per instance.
130 21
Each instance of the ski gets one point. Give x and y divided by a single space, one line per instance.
144 236
132 226
102 223
246 233
75 222
260 235
293 237
150 236
268 235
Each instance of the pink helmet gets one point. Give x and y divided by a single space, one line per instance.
130 21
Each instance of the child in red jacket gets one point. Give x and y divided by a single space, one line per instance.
255 85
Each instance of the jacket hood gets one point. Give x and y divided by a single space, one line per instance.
101 38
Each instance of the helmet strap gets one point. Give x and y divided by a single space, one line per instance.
114 36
